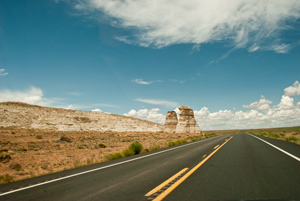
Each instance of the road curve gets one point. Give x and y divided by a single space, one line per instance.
242 168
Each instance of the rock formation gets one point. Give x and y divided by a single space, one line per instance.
171 122
186 123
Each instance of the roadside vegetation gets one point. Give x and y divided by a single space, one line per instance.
136 147
289 134
27 153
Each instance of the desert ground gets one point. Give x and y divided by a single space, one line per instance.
27 153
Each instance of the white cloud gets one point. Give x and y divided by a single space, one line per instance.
155 116
32 96
261 114
165 22
138 114
150 115
253 48
202 113
131 113
263 104
97 110
293 90
2 73
221 115
141 81
69 107
286 103
226 119
158 102
283 48
177 112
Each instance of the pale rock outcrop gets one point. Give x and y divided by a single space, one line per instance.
171 122
32 116
187 122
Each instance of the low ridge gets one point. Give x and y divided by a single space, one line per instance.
17 114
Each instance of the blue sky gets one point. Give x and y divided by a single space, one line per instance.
237 65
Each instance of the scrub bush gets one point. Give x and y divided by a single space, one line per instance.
136 147
128 152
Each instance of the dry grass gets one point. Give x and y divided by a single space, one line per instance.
37 152
289 134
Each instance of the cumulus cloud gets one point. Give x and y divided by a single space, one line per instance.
221 115
286 103
32 96
261 115
161 23
263 104
227 119
202 113
293 90
150 115
158 102
2 72
154 115
97 110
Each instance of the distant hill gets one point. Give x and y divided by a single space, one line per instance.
33 116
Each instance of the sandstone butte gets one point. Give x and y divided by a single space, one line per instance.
186 123
171 122
15 114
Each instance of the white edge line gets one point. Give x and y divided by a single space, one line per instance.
287 153
92 170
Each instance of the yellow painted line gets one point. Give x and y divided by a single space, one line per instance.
166 182
171 188
203 156
216 146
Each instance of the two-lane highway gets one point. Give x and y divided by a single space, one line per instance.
226 167
246 169
129 178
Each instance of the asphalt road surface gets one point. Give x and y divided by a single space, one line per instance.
227 167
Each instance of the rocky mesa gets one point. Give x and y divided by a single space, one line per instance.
16 114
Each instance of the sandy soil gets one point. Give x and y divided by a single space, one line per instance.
36 152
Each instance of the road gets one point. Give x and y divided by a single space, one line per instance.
227 167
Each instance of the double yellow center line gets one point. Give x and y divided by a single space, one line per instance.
184 177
